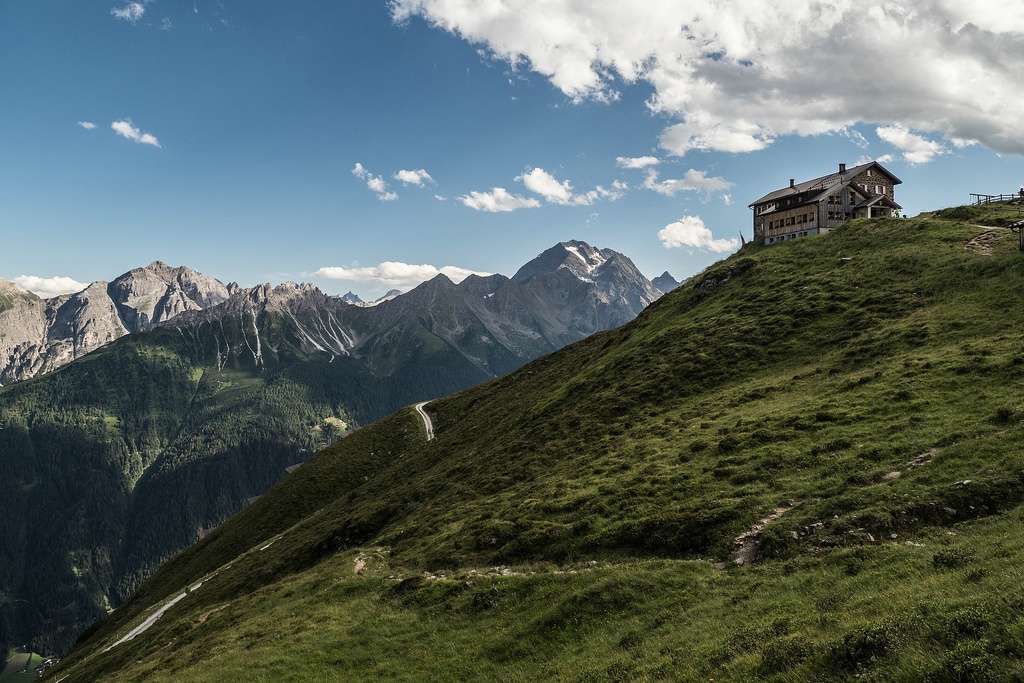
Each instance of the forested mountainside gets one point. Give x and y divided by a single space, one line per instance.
803 464
121 458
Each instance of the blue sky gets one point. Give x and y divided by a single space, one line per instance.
364 145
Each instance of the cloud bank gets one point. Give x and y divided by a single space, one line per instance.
48 287
395 273
731 74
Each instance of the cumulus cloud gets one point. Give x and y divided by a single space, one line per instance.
916 149
47 287
637 162
734 76
395 274
375 183
417 177
132 11
498 199
690 231
539 181
126 129
692 180
88 125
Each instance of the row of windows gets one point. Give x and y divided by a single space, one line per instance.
879 189
783 238
791 220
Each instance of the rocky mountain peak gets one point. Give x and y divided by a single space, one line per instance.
574 256
147 296
665 283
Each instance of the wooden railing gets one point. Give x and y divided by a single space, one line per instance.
989 198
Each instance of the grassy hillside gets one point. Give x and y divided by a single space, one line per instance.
841 413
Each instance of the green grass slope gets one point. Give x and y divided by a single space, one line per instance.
841 413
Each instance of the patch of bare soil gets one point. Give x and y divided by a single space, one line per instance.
744 546
985 242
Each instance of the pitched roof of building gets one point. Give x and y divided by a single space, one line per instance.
826 184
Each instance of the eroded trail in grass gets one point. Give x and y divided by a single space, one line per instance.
745 545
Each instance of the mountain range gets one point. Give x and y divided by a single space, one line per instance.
568 291
804 464
141 413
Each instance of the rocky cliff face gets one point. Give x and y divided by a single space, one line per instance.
38 335
583 289
23 327
156 293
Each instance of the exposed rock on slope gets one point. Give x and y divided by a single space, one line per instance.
38 335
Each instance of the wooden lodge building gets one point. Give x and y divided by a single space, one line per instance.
818 206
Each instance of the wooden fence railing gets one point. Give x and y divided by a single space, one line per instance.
989 198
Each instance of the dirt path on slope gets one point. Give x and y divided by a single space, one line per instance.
427 423
744 546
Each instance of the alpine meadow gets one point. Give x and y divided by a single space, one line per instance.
804 464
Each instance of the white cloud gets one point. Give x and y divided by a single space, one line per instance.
88 125
637 162
440 198
916 149
690 231
375 183
418 177
498 199
884 159
47 287
126 129
395 274
692 180
855 137
734 76
541 182
132 11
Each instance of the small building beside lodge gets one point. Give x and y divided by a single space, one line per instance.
819 206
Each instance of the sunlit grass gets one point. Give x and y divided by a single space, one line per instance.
867 383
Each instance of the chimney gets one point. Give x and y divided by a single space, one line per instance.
842 168
792 183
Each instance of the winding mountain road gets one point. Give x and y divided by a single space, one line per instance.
426 420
